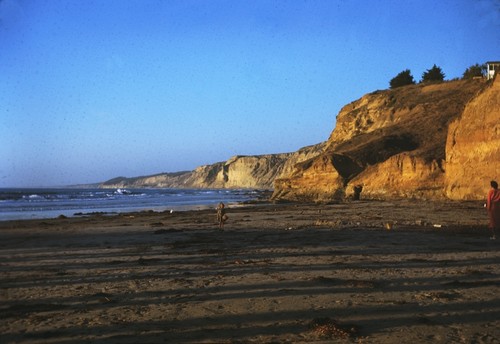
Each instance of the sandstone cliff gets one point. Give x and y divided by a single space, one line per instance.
473 147
256 171
389 143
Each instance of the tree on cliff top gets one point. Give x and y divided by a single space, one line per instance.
473 71
402 79
433 74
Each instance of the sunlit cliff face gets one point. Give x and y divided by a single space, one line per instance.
397 143
473 147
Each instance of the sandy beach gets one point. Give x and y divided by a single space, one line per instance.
361 272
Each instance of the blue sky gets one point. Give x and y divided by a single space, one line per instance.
91 90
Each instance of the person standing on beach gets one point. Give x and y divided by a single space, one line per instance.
221 215
493 208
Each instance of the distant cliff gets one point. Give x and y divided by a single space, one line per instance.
393 144
256 171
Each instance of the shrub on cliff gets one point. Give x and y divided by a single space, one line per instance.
402 79
473 71
433 74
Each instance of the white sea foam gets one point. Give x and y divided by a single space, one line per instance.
34 196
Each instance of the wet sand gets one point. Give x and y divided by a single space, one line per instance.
362 272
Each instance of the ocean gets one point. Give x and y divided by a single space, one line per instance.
19 203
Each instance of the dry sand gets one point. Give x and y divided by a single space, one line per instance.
277 273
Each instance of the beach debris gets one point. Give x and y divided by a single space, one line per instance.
437 296
389 225
104 297
329 223
437 226
329 328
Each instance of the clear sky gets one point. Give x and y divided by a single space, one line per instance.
91 90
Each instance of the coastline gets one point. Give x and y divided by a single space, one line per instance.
46 203
277 273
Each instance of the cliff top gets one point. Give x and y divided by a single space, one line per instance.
411 118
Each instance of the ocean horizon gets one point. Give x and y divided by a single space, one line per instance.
43 203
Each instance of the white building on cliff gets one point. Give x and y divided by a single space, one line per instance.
492 67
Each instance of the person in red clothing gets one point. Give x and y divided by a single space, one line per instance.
493 207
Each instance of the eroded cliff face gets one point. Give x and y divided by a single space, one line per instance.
403 175
256 171
390 143
473 147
